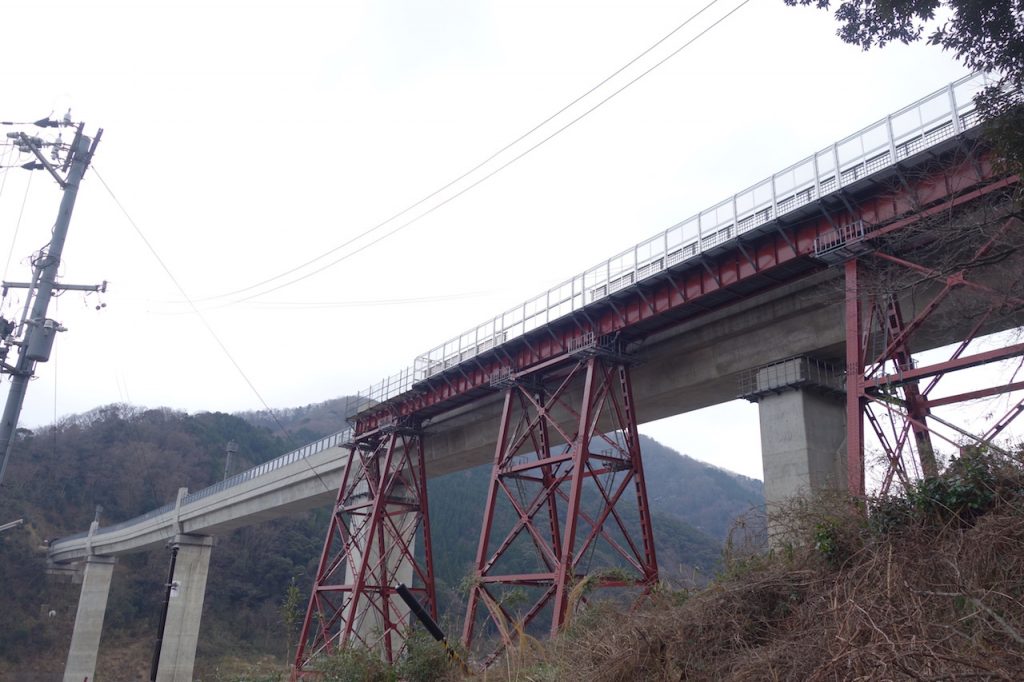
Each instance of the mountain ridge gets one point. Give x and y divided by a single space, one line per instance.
130 460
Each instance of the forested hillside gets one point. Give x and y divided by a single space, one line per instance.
129 460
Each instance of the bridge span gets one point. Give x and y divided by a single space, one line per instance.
757 296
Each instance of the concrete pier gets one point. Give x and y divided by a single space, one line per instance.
368 624
92 604
803 428
185 608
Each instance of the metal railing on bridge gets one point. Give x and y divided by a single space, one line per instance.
910 130
338 438
272 465
925 123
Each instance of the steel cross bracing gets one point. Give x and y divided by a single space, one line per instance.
560 520
884 382
371 547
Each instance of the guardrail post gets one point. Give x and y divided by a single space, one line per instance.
93 527
182 492
957 126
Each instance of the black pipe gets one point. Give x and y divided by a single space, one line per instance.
163 617
429 623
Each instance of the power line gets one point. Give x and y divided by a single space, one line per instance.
17 225
201 317
489 175
477 167
310 305
3 184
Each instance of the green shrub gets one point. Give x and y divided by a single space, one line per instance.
964 491
354 664
425 660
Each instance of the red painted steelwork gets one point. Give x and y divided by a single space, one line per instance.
562 504
883 386
557 500
652 304
855 362
380 512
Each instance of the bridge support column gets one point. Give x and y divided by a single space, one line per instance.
557 506
92 605
380 514
803 428
184 608
368 622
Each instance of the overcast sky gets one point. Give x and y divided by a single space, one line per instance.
247 138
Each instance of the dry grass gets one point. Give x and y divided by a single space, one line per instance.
921 590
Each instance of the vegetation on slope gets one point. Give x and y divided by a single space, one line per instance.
929 585
131 460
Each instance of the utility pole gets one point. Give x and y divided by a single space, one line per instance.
37 330
230 449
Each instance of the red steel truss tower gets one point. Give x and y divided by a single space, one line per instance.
379 517
890 393
566 497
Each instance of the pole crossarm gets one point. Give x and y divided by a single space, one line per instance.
99 288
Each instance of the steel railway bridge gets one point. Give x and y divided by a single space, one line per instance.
812 292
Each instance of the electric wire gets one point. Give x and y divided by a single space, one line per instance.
202 319
17 225
489 175
4 165
55 356
442 298
205 323
481 164
316 305
3 185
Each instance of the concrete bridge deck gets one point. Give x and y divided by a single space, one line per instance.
696 365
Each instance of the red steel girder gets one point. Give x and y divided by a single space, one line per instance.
560 505
379 515
954 364
921 196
